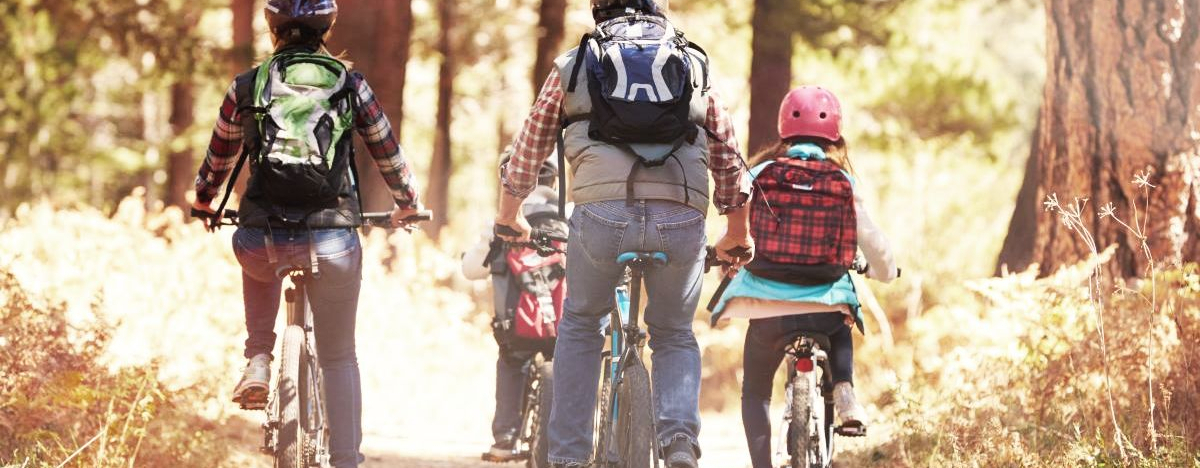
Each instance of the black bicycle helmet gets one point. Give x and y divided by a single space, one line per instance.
315 15
547 174
603 10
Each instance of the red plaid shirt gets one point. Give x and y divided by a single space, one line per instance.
538 136
369 121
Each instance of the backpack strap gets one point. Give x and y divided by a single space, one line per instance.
562 171
580 55
703 63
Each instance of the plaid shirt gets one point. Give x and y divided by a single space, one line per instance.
369 121
538 136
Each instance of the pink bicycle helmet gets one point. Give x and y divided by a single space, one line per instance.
810 111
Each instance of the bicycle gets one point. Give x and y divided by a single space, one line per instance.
296 433
808 441
532 444
627 435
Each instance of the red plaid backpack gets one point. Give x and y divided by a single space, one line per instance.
804 225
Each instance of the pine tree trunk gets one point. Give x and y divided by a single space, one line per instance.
770 69
551 28
1122 97
376 36
437 195
181 167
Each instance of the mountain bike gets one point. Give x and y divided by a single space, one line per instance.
627 436
296 433
537 397
808 440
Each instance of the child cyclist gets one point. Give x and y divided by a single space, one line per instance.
292 119
808 223
516 295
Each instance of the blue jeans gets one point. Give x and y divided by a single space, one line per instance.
510 384
334 300
766 341
599 232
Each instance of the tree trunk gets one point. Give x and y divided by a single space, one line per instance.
181 168
1121 97
551 28
438 194
376 36
241 56
770 69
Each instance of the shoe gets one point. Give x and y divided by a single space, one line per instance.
502 453
680 454
849 412
252 390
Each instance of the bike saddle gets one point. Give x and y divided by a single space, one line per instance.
657 259
792 340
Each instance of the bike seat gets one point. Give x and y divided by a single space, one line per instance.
792 340
644 258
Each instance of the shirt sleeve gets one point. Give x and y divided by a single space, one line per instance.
223 149
725 160
874 244
376 131
535 142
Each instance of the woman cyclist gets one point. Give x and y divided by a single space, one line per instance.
281 225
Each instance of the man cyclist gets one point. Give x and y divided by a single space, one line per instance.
651 208
282 224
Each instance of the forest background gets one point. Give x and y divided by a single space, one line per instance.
990 136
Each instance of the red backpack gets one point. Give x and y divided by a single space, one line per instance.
541 286
804 225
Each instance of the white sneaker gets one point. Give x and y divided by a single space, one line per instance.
252 390
849 412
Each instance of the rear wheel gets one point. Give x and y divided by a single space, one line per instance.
604 415
800 439
635 423
544 400
291 392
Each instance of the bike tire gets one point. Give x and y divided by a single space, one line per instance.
603 416
635 423
539 448
290 390
800 441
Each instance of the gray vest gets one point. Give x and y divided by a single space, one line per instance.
600 171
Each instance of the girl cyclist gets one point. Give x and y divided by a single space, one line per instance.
809 129
282 223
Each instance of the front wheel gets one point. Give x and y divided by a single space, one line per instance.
291 391
635 420
544 400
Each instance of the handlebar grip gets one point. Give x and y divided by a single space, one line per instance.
502 230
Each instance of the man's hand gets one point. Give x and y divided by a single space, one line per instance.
400 217
736 249
210 224
514 224
204 206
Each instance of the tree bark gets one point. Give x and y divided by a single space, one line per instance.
770 69
181 167
376 36
438 194
551 28
1121 97
241 56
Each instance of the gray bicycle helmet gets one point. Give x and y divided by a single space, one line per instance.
603 10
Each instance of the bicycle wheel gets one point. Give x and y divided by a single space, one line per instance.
603 416
635 423
540 445
291 391
800 439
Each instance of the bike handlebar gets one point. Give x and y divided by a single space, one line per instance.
711 259
384 219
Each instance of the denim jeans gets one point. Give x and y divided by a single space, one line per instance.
764 350
599 232
334 299
510 383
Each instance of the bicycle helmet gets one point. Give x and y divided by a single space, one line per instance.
810 111
547 173
603 10
316 15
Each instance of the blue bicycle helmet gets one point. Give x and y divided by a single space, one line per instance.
603 10
317 15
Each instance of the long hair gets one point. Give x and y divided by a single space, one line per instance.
834 150
308 38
